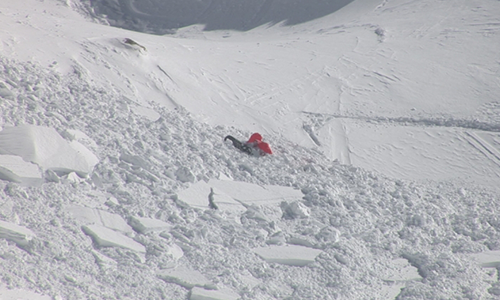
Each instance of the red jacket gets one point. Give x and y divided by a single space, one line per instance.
256 141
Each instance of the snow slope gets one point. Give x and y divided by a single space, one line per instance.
383 118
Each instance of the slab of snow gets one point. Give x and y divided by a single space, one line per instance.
45 147
198 293
14 168
185 277
390 291
291 255
105 237
90 216
18 234
197 196
249 193
487 259
401 271
19 294
146 225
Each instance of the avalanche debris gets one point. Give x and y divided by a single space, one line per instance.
291 255
45 147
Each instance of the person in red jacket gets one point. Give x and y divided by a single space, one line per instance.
254 146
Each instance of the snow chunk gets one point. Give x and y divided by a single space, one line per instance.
185 277
203 294
185 175
45 147
401 271
295 210
249 193
146 225
291 255
106 237
18 234
18 294
14 168
99 217
197 196
487 259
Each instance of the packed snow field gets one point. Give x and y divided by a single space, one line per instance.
104 196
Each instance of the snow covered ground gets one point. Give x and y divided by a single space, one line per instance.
383 116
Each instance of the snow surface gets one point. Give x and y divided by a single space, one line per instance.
383 116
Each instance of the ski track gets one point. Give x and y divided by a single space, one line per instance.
428 122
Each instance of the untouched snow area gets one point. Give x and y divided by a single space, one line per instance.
383 116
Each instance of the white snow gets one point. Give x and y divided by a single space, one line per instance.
18 234
45 147
88 216
14 168
487 259
383 116
185 277
146 225
198 293
19 294
197 195
106 237
291 255
401 270
249 193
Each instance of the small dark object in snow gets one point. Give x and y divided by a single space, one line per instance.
133 43
211 202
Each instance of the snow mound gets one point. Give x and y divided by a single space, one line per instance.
45 147
291 255
14 168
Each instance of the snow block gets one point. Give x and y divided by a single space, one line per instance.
487 259
291 255
15 169
45 147
90 216
197 196
106 237
18 234
146 225
294 210
401 270
249 193
185 277
203 294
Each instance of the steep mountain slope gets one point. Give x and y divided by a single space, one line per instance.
347 90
